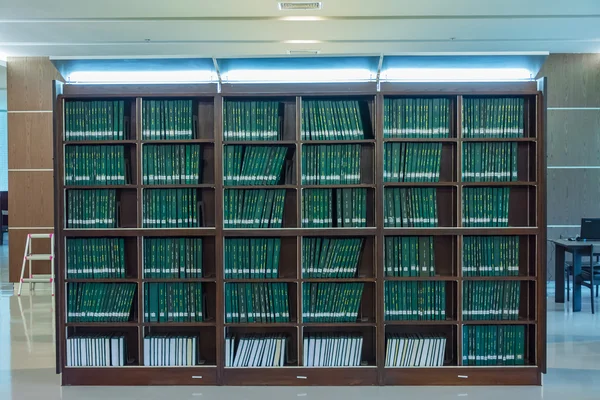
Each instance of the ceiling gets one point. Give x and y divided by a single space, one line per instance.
230 28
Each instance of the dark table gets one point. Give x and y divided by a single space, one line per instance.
578 250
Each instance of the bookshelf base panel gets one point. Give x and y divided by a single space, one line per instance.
463 376
139 376
299 376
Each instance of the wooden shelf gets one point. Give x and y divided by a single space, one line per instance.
337 324
261 280
526 207
262 325
499 278
349 141
97 142
421 278
507 183
317 280
177 141
179 324
283 232
180 186
260 142
88 187
499 322
441 140
128 232
102 280
340 186
153 280
240 187
419 184
421 322
131 324
524 139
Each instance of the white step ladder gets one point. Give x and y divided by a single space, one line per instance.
29 257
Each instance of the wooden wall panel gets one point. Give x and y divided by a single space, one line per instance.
31 200
573 194
16 247
30 141
573 80
30 192
29 83
573 137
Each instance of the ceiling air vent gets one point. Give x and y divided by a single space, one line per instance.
299 5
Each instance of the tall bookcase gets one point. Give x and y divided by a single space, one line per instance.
456 287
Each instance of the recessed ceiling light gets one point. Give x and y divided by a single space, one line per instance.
299 5
301 41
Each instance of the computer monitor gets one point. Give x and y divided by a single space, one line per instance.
590 229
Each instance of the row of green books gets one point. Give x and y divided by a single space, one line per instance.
253 208
95 258
96 165
258 350
171 208
252 258
95 120
253 165
331 164
491 300
490 256
416 350
416 117
334 120
409 256
330 257
332 350
172 258
331 301
167 119
485 206
410 207
99 302
256 302
95 208
251 120
412 162
415 300
172 164
341 208
173 302
493 345
485 162
501 117
96 350
170 350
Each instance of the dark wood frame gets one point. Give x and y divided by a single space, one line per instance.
372 375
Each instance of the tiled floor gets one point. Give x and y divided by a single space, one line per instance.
27 364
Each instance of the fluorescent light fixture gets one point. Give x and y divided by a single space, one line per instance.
189 76
299 75
301 41
456 74
301 18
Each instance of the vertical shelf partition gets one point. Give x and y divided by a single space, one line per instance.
355 214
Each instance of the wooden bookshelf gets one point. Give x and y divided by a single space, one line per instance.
526 220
